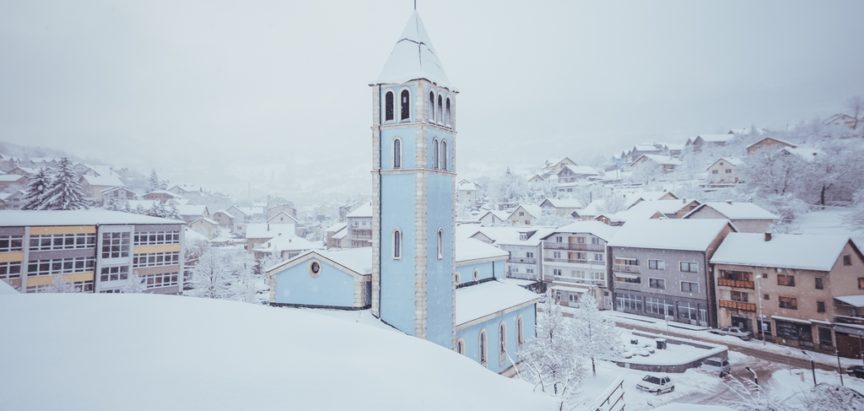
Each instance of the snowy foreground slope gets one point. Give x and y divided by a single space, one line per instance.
149 352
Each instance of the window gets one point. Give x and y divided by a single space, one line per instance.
456 277
523 236
502 340
520 331
476 275
406 111
556 254
656 264
819 285
788 302
114 273
714 172
447 113
861 283
160 280
460 346
728 171
397 153
483 347
155 259
156 237
435 153
847 259
9 270
556 272
439 113
13 242
529 254
739 296
315 268
559 239
444 154
115 245
397 244
60 266
51 242
657 283
766 297
689 267
598 257
440 244
688 287
431 107
786 280
580 240
820 306
388 106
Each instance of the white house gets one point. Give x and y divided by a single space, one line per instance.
746 217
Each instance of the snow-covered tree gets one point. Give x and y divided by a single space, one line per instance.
35 198
65 192
829 397
133 284
60 285
154 183
749 396
855 108
594 336
164 210
224 274
550 361
772 173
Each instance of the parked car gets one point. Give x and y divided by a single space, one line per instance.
734 331
717 366
656 384
856 371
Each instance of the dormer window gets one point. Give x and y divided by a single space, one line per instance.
523 236
405 98
388 106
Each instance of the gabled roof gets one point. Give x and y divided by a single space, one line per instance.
191 209
290 217
357 260
364 211
468 249
731 160
534 210
784 142
287 242
337 227
670 234
604 231
10 178
806 153
646 209
662 160
204 219
581 170
491 297
798 251
263 230
413 57
562 203
227 214
716 138
107 180
513 235
737 210
501 215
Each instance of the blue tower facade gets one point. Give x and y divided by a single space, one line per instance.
413 134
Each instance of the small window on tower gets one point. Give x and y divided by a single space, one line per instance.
404 99
397 153
440 111
444 154
448 111
431 110
388 106
397 244
435 153
440 244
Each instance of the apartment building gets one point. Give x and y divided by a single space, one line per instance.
522 245
360 226
803 290
575 262
90 251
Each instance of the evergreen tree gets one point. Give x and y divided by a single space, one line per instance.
65 192
35 199
155 184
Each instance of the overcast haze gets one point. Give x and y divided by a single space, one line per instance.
274 94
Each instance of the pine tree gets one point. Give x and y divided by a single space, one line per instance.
35 199
595 336
154 181
65 192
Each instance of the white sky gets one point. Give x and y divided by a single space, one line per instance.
273 93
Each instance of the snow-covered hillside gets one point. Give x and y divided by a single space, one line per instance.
150 352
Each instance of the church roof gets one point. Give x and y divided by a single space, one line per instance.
413 57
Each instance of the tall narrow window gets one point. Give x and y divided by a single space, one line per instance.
397 153
404 100
520 331
502 340
483 347
397 244
431 110
440 111
460 346
447 112
388 106
440 244
435 153
444 154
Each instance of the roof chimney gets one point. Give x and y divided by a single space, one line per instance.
768 236
729 202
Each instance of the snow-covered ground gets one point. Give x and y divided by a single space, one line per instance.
151 352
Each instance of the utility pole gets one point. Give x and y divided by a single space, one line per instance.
812 366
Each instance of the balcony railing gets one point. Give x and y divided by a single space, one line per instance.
625 268
738 305
572 261
552 245
523 260
726 282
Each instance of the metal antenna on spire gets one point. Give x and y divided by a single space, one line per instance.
415 5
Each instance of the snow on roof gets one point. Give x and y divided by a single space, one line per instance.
108 180
669 234
364 211
717 138
335 228
226 213
10 177
645 147
206 220
146 204
806 153
856 301
674 146
340 234
6 289
487 298
501 215
191 209
775 139
663 160
468 249
513 235
604 231
309 343
731 160
358 260
532 209
249 210
738 210
163 192
646 209
187 187
19 218
287 242
264 230
563 202
799 251
581 170
413 57
466 185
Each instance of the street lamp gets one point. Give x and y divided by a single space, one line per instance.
812 366
755 376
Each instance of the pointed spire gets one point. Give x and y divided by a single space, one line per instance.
413 57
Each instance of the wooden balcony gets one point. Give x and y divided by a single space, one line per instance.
738 305
725 282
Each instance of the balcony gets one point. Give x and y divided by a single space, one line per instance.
551 245
573 261
625 268
727 282
738 305
522 260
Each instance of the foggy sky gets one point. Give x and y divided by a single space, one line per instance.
273 95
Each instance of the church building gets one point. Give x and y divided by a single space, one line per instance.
423 282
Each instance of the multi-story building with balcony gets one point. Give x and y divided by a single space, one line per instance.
523 247
801 290
360 226
90 251
575 262
660 268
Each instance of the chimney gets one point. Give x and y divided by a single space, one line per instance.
729 202
768 236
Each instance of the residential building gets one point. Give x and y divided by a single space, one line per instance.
205 226
117 197
574 262
285 247
561 206
224 218
282 217
768 143
360 226
333 239
746 217
94 250
192 212
524 214
654 209
95 186
570 173
660 268
663 164
12 200
12 180
522 245
808 289
162 196
260 233
704 141
723 171
494 218
467 192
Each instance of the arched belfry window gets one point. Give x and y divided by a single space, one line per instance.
440 244
447 112
397 244
440 111
444 154
435 153
397 153
431 110
404 101
388 106
483 347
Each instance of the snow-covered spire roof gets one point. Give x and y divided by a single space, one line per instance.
413 57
